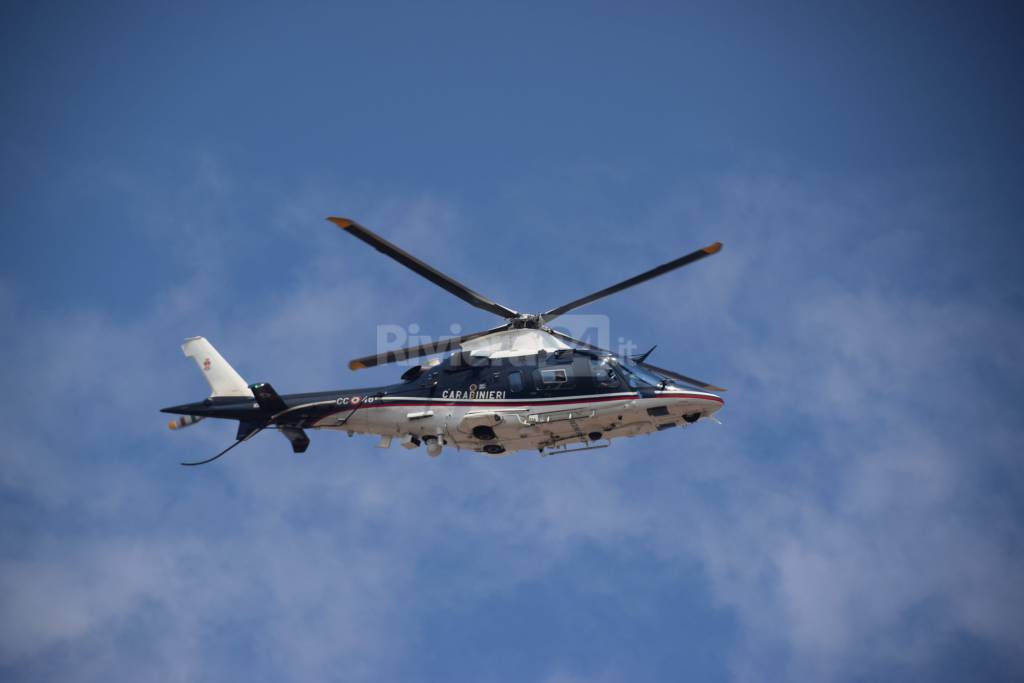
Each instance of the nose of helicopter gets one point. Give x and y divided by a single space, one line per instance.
692 404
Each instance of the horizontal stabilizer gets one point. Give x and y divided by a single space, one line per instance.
247 430
297 437
268 399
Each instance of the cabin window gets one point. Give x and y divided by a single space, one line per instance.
515 381
554 376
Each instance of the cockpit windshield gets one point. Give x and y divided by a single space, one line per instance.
637 375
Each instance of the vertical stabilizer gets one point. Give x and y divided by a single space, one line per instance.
222 378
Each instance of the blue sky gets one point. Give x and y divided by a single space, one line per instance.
166 171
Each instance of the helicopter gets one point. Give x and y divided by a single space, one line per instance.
521 385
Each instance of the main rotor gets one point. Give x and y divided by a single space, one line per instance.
514 320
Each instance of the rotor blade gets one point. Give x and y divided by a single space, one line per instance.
427 349
414 264
203 462
642 277
682 378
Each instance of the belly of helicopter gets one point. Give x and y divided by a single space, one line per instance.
502 427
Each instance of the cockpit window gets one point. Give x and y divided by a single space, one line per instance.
603 373
637 375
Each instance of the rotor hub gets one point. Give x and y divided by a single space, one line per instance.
527 321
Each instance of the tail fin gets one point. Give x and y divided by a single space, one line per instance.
223 379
